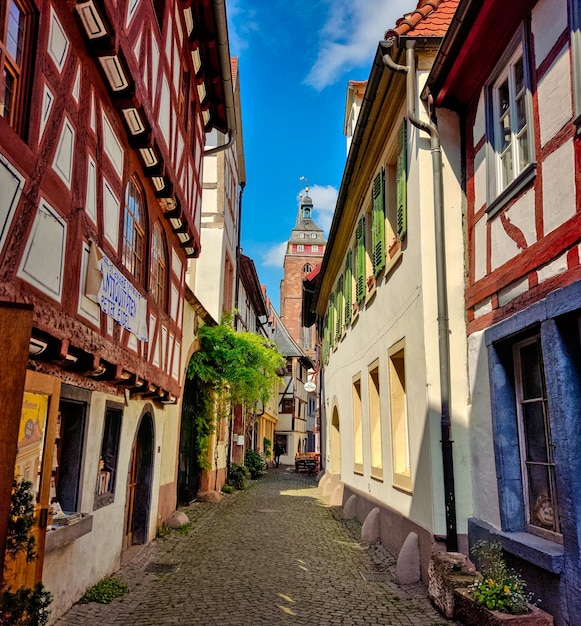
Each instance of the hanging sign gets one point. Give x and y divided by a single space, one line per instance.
115 294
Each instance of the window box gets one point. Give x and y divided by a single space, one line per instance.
370 283
468 612
60 536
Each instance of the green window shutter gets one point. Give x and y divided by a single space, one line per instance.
360 260
378 223
332 320
348 287
401 182
339 324
325 348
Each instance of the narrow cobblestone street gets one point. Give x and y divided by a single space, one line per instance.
273 554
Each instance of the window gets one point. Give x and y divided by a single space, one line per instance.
511 116
535 441
300 247
399 419
331 320
357 427
15 40
158 270
107 474
288 405
375 423
228 285
401 182
301 235
313 235
315 248
307 338
360 260
307 269
348 288
339 321
133 230
378 223
66 474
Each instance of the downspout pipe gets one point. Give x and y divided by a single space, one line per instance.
441 283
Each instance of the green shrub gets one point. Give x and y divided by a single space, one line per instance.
238 476
25 607
267 447
227 488
255 464
105 591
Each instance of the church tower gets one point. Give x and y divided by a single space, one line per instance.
305 250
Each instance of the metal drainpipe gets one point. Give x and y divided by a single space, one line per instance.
441 284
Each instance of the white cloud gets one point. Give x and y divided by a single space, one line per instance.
324 199
274 256
242 26
350 36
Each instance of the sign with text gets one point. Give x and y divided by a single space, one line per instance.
116 295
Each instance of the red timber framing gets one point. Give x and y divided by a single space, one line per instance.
116 92
460 73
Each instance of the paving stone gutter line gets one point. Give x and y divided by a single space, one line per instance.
274 554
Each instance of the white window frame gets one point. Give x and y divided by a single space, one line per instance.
499 189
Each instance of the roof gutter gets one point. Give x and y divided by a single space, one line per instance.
223 44
441 282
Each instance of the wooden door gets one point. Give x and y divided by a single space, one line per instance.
131 486
34 461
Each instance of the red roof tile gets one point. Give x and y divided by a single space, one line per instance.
431 18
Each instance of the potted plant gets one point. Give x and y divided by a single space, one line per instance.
499 596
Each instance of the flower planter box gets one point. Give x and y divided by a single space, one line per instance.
467 612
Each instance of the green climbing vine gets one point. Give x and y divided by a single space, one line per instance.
229 368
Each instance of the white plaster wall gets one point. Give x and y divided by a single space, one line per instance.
485 491
479 121
521 216
554 97
404 306
480 238
559 187
549 20
480 178
554 268
67 572
512 291
209 271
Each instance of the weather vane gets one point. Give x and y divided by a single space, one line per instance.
306 186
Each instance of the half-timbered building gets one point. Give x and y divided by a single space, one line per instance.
512 72
104 111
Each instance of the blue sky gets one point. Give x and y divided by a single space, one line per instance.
295 59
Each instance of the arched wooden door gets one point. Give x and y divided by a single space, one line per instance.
139 483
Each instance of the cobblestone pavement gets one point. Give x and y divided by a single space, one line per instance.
274 554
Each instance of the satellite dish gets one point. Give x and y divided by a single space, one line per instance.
310 386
